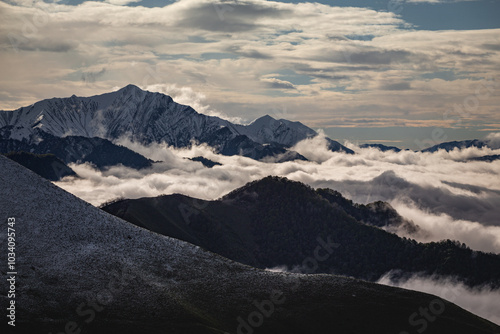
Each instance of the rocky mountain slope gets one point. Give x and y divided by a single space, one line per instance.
152 117
82 270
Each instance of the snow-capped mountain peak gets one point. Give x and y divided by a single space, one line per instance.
266 129
263 121
145 117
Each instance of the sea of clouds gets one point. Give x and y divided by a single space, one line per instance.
446 195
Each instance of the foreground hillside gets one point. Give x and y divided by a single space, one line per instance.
275 222
79 268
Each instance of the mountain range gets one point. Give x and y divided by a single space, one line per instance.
446 146
101 153
275 222
86 129
81 270
450 146
147 117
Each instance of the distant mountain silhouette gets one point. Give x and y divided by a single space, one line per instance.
381 147
487 158
100 152
45 165
451 145
206 162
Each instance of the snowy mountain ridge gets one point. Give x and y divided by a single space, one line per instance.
145 117
266 129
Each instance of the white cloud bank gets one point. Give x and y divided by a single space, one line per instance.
481 301
447 198
435 190
442 226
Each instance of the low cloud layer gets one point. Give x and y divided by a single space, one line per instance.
438 227
481 301
446 197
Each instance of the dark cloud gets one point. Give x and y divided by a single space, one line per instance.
332 77
357 68
90 77
230 16
472 188
197 76
376 57
46 45
465 54
478 61
247 53
493 47
403 85
336 37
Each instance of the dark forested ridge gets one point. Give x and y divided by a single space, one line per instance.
275 222
100 152
46 165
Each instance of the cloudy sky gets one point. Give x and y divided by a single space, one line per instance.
401 72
